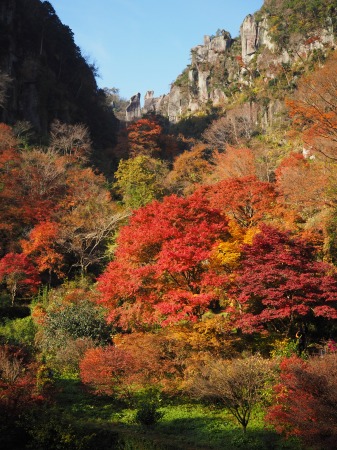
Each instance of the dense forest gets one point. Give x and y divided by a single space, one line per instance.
166 286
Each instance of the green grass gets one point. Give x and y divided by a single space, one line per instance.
185 425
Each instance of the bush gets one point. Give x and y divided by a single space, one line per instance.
66 359
147 412
305 401
238 384
78 320
19 331
108 371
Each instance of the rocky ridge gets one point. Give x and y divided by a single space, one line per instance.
222 67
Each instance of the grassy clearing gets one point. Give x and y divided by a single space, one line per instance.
185 425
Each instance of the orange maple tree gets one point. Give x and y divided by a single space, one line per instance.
247 200
41 248
314 109
143 137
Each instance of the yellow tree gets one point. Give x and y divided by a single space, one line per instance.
140 180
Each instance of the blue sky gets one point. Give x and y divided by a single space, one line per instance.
141 45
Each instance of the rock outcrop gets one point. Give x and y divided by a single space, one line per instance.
222 67
133 110
200 83
152 104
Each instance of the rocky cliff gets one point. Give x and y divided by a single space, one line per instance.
43 75
226 71
213 66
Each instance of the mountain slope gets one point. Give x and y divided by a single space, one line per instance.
46 75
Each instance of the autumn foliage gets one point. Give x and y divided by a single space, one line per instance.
161 272
160 278
18 390
314 109
143 137
305 400
106 370
18 274
281 282
247 200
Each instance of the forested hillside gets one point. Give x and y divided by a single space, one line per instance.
187 297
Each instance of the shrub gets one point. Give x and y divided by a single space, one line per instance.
66 359
147 412
305 401
107 370
19 331
239 384
77 320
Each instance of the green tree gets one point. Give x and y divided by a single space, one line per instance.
117 103
140 180
69 323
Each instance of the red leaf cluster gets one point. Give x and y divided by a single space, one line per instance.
162 260
281 280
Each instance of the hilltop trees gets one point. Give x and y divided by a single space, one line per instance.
296 16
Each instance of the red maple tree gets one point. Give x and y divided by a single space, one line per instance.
143 137
107 369
18 274
281 282
305 401
161 268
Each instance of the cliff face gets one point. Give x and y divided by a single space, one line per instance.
213 66
43 75
223 67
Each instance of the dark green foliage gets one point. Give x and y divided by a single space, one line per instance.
69 323
193 126
182 80
13 312
147 413
49 429
77 320
13 435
